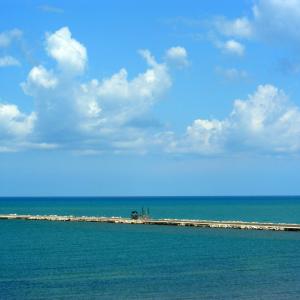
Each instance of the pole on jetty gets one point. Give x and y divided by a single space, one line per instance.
143 215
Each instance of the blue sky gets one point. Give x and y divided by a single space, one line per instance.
149 97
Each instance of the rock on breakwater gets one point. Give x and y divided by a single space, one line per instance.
170 222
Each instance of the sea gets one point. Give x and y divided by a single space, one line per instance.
69 260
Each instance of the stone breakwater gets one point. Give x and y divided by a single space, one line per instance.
169 222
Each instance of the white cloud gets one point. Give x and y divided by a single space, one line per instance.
275 21
99 115
96 114
70 55
7 37
8 61
39 77
203 137
233 47
240 27
178 56
147 85
266 122
13 123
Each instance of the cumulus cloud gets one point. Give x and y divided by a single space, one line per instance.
8 61
94 114
70 55
39 77
265 122
178 56
268 120
7 37
119 100
14 124
202 137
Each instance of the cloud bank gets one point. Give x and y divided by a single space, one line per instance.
108 114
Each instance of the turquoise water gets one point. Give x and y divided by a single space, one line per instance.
57 260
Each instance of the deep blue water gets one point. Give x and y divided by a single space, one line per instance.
57 260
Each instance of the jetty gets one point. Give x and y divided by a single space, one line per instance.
166 222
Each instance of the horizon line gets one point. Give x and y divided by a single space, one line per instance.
154 196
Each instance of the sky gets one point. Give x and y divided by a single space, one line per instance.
141 98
